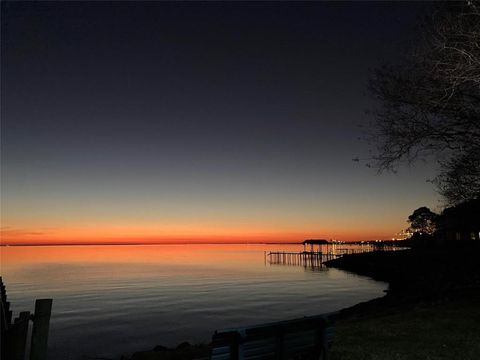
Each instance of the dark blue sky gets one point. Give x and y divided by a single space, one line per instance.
189 116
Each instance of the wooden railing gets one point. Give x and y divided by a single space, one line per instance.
15 333
302 338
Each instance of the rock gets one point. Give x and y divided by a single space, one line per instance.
160 348
184 345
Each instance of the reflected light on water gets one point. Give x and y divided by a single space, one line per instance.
112 300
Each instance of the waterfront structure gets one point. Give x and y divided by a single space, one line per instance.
460 223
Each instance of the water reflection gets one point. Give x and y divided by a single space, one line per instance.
110 300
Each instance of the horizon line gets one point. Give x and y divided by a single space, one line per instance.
176 243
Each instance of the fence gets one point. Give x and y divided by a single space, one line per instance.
15 333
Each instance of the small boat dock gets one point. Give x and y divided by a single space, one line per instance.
304 258
315 253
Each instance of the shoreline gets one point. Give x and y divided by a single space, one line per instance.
415 276
430 311
422 283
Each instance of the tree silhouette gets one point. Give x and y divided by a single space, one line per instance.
423 221
430 103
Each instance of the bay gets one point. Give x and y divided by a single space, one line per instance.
116 299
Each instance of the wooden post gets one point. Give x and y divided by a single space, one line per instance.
9 313
17 337
41 323
3 332
3 291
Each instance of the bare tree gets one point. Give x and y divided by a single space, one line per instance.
430 102
460 179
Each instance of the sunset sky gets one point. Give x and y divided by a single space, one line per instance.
211 122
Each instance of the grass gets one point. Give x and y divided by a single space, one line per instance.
446 331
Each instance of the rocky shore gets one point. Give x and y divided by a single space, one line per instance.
184 351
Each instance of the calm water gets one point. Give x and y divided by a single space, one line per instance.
113 300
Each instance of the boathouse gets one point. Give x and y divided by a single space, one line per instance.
318 242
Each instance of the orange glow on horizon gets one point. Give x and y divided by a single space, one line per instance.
128 254
116 234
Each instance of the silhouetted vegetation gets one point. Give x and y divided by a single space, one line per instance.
423 221
456 223
430 102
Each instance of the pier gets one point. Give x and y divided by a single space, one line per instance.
313 259
320 252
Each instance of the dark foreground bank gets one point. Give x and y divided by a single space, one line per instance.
448 330
430 311
422 275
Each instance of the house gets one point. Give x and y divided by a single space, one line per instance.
460 222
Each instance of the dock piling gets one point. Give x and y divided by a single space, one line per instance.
41 323
13 342
18 336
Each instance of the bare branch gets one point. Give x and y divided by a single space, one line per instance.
430 103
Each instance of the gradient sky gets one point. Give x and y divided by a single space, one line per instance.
198 122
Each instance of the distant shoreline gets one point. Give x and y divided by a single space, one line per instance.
355 242
156 244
